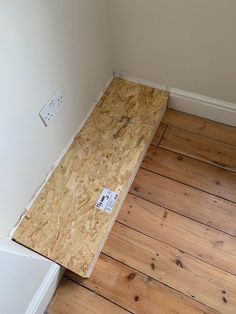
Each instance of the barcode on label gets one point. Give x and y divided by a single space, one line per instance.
107 200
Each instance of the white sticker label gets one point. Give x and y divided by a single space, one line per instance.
107 200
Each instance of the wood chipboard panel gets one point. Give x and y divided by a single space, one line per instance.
64 224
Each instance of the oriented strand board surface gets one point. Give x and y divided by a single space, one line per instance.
63 223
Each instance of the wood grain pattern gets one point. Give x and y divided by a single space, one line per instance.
193 172
168 265
209 245
162 255
159 134
135 291
198 205
205 149
71 298
201 126
63 223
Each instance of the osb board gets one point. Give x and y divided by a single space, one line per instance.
63 223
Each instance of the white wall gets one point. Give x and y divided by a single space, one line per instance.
44 45
25 276
188 44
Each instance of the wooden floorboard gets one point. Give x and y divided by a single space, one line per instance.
173 247
168 265
196 239
195 173
193 203
201 126
72 298
135 291
202 148
159 134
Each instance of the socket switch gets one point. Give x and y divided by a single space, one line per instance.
49 112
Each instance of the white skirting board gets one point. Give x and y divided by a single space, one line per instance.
195 104
203 106
46 290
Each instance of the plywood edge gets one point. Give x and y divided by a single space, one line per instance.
89 272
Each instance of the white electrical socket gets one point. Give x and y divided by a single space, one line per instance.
52 108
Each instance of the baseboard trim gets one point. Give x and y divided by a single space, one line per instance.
46 290
203 106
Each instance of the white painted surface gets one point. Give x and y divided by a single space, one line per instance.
25 277
21 278
187 44
46 290
203 106
11 247
44 46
